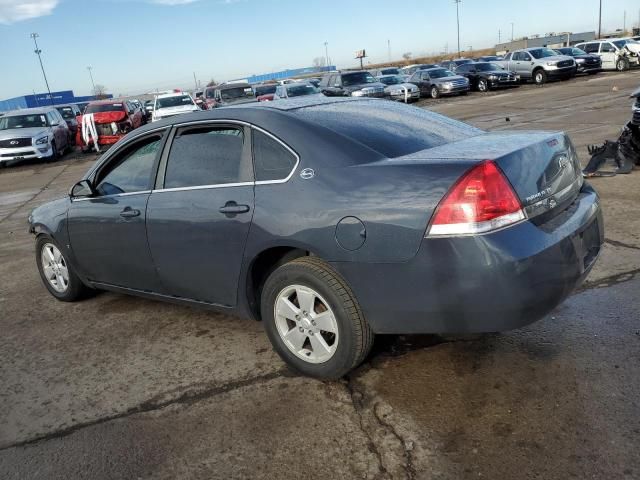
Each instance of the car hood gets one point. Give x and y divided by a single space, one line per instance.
635 48
360 86
554 58
161 112
448 79
22 132
400 86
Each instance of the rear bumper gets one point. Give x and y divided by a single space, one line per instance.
486 283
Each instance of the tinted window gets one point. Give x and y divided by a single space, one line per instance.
174 101
607 47
388 128
23 121
591 47
67 112
464 68
507 56
208 155
271 160
131 170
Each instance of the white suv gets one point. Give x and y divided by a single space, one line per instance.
616 53
33 133
170 104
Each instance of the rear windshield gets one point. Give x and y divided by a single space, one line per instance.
265 89
389 71
67 112
350 79
294 90
391 129
107 107
177 101
237 93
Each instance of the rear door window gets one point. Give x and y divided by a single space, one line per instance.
591 47
207 155
272 160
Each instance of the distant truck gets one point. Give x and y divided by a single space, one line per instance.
539 64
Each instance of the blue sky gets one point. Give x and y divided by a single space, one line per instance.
140 45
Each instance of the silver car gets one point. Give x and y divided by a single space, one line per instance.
399 90
33 133
539 64
296 89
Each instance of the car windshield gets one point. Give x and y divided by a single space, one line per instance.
542 53
265 89
487 67
389 71
391 80
67 113
105 107
440 73
211 93
23 121
626 41
177 101
357 78
572 51
236 93
294 90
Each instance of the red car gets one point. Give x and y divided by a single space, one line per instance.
113 120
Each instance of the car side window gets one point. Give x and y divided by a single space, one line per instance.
591 47
130 170
607 47
508 56
207 155
271 160
463 68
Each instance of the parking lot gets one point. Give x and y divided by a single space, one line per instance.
122 387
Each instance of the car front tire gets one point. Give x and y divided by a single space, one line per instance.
435 93
540 77
313 319
483 85
622 65
56 273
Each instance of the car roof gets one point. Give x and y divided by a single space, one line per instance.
174 94
29 111
106 102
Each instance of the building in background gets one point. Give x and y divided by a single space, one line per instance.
552 41
43 100
281 75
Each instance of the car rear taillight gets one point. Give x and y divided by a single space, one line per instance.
481 201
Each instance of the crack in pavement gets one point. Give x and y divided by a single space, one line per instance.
42 189
407 446
188 397
609 281
617 243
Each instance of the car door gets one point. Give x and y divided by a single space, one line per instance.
108 230
59 133
521 63
199 216
608 53
470 73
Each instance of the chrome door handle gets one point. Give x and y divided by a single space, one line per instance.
129 212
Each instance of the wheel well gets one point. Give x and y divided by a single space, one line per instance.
260 269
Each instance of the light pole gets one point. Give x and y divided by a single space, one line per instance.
38 52
91 76
457 2
326 53
600 20
512 31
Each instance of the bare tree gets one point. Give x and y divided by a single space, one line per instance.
100 92
406 55
319 62
212 83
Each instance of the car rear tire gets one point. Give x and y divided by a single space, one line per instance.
434 92
539 77
622 65
313 319
56 273
483 85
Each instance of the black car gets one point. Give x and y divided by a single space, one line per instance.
357 83
330 220
585 62
69 113
485 76
454 64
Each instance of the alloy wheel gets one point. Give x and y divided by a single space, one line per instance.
54 267
306 324
482 85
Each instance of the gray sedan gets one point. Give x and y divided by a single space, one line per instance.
399 90
330 220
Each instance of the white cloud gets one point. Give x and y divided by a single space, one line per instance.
16 10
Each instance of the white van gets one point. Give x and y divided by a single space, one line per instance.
616 53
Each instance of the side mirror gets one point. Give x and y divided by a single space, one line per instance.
83 188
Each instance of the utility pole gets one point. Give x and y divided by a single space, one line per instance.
195 81
624 23
38 52
93 85
512 31
389 49
457 2
499 39
600 21
326 53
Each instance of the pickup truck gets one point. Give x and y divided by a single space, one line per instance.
539 64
